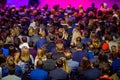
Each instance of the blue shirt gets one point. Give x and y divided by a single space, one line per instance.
38 74
41 42
78 55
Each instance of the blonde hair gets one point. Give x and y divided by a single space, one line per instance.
9 61
41 53
75 34
65 65
16 57
30 31
85 63
25 54
9 40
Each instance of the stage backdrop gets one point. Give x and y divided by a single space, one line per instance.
64 3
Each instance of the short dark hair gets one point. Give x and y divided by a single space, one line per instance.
59 63
49 55
80 46
24 39
39 63
11 69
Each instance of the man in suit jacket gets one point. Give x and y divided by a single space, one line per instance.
79 54
58 73
38 73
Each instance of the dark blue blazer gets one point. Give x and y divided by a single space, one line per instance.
58 74
78 55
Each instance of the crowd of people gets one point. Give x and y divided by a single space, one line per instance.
60 43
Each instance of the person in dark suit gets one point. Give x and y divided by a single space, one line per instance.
58 73
39 73
79 54
49 62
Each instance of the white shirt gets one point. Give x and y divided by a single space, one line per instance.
11 77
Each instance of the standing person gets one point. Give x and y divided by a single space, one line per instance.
11 75
79 54
58 73
38 73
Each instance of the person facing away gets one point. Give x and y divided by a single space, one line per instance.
39 73
58 73
11 75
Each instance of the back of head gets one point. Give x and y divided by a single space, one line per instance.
85 63
11 50
52 37
68 56
1 43
10 61
49 55
80 46
11 70
59 63
86 35
24 39
39 63
25 54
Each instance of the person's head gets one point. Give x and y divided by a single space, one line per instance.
39 63
17 42
113 48
93 35
105 68
85 63
102 57
11 70
41 53
30 31
42 32
60 35
78 40
11 50
10 61
86 34
25 54
24 39
93 4
59 63
49 55
96 43
91 47
59 45
12 33
51 37
65 65
9 40
68 55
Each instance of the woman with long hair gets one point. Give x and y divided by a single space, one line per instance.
40 55
65 65
26 60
